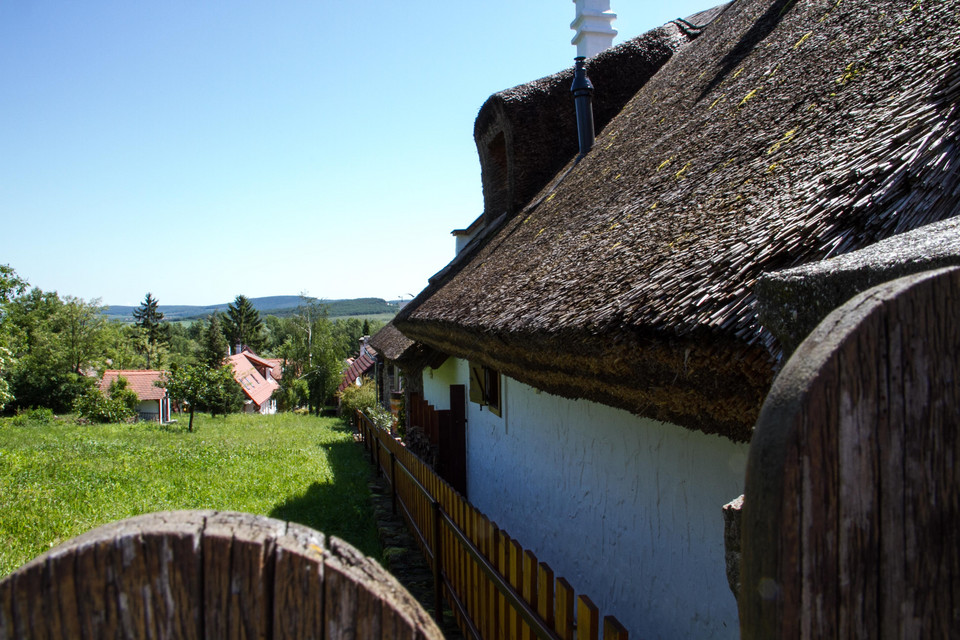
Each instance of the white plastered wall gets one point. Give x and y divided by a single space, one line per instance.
627 509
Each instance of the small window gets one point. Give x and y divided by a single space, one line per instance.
485 387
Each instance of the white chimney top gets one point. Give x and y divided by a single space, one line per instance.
593 27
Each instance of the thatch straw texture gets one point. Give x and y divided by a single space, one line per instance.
789 132
398 348
525 134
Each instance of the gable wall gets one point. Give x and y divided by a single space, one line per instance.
628 510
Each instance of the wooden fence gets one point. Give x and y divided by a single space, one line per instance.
207 574
495 588
851 517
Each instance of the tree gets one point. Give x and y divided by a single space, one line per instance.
149 320
187 384
242 324
82 329
124 346
204 388
5 362
11 285
213 344
37 329
312 361
225 395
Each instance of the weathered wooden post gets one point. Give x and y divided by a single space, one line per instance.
437 563
851 517
207 574
393 482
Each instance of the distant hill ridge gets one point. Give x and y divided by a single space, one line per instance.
279 306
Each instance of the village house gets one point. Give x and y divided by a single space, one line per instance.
360 367
258 378
154 403
601 317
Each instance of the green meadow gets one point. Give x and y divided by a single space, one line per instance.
59 479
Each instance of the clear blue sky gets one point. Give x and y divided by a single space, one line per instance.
199 150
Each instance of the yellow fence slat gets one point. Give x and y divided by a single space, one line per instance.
503 567
563 613
613 630
588 619
545 591
515 566
529 590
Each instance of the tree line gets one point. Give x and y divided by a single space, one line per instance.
53 349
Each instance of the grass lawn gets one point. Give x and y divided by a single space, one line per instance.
58 480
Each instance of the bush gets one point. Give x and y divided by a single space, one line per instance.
118 391
364 398
93 406
355 398
381 417
41 416
38 388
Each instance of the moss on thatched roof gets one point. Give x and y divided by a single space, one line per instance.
788 132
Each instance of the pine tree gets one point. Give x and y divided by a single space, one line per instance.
242 324
213 347
150 321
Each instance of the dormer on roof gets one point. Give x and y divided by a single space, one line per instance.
526 134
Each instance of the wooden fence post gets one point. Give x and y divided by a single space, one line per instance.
437 563
393 482
196 574
851 515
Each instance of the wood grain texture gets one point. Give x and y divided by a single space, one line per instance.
851 521
207 574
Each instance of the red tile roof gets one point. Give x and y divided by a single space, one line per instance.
274 364
357 369
140 382
254 385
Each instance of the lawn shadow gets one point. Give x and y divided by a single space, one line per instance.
342 507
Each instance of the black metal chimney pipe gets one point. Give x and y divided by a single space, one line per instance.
582 90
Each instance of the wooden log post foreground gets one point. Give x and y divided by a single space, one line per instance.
207 574
851 517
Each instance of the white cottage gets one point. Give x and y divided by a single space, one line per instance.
601 317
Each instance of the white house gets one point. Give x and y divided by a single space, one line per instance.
154 402
601 314
258 378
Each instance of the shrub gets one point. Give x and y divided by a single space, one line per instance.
364 398
41 416
380 416
93 406
355 398
118 391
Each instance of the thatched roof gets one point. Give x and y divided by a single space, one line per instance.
787 133
389 342
398 348
525 134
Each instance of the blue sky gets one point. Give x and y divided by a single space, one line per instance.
200 150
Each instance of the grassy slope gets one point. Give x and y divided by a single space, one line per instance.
57 481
